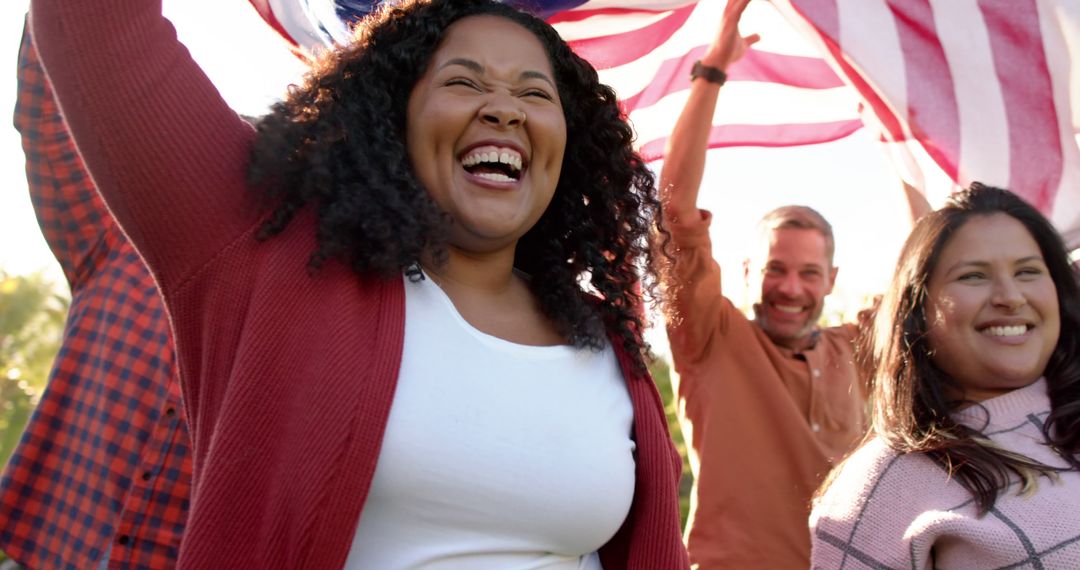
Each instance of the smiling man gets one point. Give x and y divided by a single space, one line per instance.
769 404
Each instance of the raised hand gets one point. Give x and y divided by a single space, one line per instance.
729 46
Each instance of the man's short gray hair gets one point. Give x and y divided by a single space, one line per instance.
803 218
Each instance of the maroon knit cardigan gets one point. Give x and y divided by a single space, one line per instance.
288 378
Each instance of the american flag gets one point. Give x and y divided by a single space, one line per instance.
644 49
959 90
985 90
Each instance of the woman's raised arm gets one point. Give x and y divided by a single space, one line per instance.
165 150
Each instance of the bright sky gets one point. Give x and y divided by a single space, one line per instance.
21 246
250 64
849 180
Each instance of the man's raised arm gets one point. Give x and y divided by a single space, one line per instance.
684 157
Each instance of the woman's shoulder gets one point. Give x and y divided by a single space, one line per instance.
876 508
853 479
877 475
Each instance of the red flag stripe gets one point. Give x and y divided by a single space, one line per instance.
793 70
931 94
620 49
1035 153
579 15
267 14
766 67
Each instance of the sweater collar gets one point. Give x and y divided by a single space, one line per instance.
1007 409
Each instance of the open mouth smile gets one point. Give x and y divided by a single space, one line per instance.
789 309
494 163
1006 331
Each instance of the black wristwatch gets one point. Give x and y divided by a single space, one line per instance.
708 73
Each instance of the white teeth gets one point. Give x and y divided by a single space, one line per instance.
495 176
1016 330
509 157
788 308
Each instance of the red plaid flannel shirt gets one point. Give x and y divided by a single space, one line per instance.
104 465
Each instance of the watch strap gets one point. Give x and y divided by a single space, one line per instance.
708 73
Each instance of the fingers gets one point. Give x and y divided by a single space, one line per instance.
735 8
730 23
728 46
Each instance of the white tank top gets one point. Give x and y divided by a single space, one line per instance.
496 455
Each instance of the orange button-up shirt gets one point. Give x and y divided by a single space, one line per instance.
764 423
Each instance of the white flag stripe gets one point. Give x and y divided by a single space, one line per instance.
656 5
1061 32
1066 212
870 23
292 18
749 103
322 15
916 168
1060 23
607 24
777 35
984 128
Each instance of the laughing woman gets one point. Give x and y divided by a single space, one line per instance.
975 443
387 354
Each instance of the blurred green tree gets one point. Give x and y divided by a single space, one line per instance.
32 315
661 373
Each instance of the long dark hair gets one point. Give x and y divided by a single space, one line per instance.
913 398
337 144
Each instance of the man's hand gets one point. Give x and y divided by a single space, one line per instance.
684 157
729 46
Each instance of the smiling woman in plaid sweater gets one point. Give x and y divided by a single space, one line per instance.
972 460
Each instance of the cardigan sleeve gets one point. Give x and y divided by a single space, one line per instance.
164 149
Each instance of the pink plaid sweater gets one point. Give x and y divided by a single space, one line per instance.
887 510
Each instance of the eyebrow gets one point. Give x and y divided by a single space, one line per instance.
797 266
475 66
978 263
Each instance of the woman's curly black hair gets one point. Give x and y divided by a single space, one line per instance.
337 143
